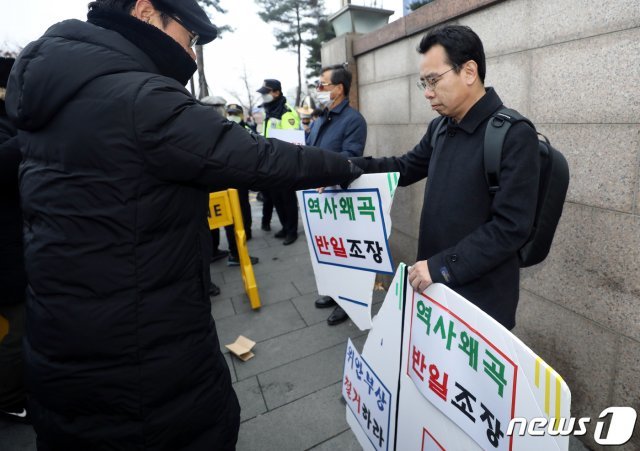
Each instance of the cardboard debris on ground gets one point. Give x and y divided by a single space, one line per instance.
241 348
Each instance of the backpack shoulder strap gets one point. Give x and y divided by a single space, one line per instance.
494 137
436 131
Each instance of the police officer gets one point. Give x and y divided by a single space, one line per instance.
281 116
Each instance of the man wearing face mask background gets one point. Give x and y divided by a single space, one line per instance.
279 115
340 129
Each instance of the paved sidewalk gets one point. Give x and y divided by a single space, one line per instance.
290 391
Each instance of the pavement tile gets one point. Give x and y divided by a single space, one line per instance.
295 345
343 442
216 277
268 295
306 285
312 315
308 311
298 425
221 307
250 398
260 325
295 380
17 437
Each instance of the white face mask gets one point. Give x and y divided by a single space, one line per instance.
267 98
324 98
236 119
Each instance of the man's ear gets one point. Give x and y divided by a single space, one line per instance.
470 72
143 10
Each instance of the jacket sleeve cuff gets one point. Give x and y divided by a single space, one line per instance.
439 270
361 162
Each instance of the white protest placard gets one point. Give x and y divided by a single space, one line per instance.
462 377
288 135
347 234
367 397
383 358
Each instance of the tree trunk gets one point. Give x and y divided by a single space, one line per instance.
299 45
202 80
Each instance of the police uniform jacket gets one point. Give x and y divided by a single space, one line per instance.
469 237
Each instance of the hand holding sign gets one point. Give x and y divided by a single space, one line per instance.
419 276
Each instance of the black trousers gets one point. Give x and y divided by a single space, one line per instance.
229 230
286 205
245 207
267 208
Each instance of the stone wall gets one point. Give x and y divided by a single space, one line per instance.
572 67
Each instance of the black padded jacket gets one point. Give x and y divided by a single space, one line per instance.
118 160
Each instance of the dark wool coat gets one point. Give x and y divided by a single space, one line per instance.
118 160
469 237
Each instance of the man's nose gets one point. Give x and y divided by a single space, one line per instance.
429 93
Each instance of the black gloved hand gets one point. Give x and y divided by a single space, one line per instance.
354 173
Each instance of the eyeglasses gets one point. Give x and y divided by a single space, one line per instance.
431 82
194 38
321 86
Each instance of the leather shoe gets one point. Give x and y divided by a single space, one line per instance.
337 316
290 239
280 234
325 302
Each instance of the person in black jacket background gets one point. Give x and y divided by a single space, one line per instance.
118 158
468 237
12 275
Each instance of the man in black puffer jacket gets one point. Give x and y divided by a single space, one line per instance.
118 160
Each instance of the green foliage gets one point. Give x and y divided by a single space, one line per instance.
417 4
324 33
297 23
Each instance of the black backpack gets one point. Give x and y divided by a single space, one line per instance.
554 181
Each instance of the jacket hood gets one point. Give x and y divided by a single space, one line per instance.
50 71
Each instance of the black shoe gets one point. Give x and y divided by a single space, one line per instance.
280 234
214 290
290 239
266 227
325 302
337 316
15 414
218 254
235 261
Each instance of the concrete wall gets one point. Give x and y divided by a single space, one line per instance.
573 67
